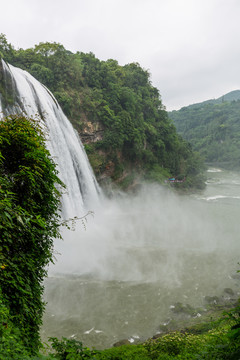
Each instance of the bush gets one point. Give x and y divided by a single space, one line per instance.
69 349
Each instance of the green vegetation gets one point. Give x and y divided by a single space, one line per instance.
207 339
218 343
130 131
29 203
213 129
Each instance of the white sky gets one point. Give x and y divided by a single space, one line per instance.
190 47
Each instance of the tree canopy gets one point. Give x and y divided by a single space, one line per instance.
136 130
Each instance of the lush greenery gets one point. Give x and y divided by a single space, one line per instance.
215 336
29 220
120 105
216 340
29 204
213 129
29 199
198 342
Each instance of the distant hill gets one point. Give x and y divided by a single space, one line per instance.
213 128
229 97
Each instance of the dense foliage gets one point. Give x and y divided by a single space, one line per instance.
119 104
29 203
213 129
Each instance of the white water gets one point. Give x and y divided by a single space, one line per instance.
34 100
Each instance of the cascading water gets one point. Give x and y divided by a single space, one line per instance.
24 94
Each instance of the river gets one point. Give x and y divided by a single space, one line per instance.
139 255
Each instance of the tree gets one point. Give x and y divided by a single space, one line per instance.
29 221
6 50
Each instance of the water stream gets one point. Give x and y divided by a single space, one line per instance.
27 96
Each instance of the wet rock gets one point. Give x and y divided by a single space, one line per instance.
228 291
214 300
162 329
122 342
236 276
179 308
157 336
165 327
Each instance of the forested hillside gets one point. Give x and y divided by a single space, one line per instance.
213 129
117 112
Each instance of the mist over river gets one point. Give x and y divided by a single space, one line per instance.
139 255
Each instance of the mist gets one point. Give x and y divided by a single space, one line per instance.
140 254
144 237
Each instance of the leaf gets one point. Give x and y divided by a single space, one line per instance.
19 219
8 215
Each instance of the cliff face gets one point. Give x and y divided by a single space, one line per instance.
1 70
91 132
111 168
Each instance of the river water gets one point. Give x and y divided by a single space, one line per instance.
140 254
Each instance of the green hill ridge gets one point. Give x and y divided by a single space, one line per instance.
213 129
229 97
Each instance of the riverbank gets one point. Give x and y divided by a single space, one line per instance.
216 336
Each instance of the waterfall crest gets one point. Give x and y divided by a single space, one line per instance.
23 94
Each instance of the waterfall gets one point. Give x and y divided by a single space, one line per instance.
23 94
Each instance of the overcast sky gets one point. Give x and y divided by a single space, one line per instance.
190 47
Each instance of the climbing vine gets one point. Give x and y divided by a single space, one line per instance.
29 221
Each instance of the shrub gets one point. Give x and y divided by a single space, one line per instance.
70 349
